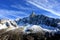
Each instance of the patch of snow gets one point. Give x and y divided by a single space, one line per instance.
3 26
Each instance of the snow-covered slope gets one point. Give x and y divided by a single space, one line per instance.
11 25
8 24
38 28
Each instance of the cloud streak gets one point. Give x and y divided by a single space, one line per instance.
47 5
22 7
17 14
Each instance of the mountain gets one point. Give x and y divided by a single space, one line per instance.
34 27
35 19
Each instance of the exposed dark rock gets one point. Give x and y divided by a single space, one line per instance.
39 19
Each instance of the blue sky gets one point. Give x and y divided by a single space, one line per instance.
12 9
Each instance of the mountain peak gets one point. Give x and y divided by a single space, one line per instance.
32 14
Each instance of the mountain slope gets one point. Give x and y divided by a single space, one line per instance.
36 27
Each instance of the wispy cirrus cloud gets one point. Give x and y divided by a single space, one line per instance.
48 5
13 9
12 14
19 9
22 7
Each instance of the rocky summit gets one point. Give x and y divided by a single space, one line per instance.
39 19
